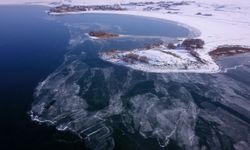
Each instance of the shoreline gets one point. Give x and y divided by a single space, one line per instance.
215 32
211 37
213 67
194 32
65 127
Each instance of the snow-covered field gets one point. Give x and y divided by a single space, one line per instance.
229 23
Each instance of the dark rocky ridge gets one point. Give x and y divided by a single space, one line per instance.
103 34
228 50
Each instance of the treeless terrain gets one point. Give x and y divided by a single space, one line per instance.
228 50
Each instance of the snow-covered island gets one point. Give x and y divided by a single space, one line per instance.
220 23
165 57
187 56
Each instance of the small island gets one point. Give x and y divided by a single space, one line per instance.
228 50
102 34
186 56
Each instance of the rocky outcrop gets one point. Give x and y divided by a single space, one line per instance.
190 44
228 50
102 34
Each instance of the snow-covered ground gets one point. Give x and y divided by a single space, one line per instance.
228 25
161 60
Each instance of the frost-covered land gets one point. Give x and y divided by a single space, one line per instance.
164 58
224 22
219 22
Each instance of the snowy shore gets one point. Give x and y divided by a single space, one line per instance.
226 24
228 21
